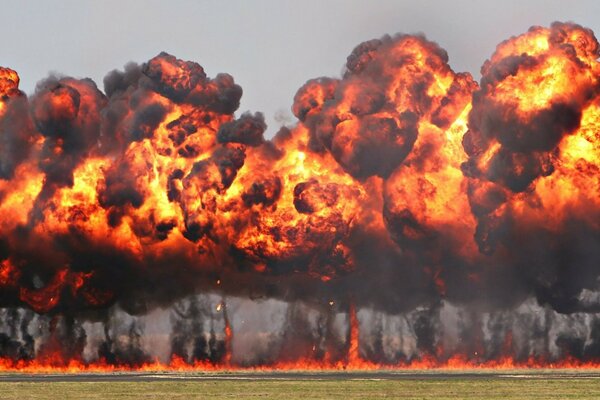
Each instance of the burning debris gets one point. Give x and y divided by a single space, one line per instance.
411 217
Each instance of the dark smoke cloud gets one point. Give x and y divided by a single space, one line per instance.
556 264
182 197
247 129
16 127
67 114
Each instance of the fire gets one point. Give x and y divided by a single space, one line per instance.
8 273
405 188
535 164
177 365
9 82
53 364
354 332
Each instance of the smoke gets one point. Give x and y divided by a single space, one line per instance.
410 215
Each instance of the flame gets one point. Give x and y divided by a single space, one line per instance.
403 184
454 363
353 341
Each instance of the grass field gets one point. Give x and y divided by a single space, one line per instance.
459 387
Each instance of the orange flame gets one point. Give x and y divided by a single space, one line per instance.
153 189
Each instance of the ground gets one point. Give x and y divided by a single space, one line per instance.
402 385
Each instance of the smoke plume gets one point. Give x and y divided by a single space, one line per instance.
410 216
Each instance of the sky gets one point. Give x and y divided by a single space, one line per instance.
271 47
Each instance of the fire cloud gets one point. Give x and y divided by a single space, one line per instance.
411 217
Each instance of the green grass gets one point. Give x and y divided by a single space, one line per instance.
429 388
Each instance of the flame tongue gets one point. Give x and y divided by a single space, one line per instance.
404 185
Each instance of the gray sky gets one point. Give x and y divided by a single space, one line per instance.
270 47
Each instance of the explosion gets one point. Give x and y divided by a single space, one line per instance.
410 218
